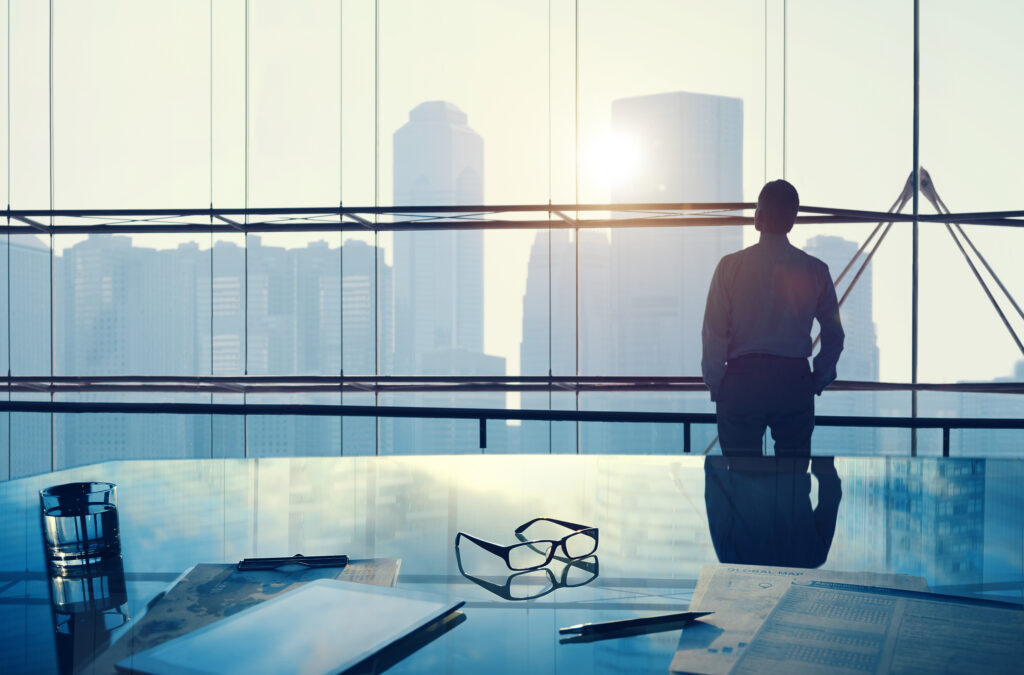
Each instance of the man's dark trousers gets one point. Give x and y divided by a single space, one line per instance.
763 390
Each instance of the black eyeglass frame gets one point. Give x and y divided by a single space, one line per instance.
504 552
588 565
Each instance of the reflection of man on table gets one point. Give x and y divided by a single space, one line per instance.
757 334
760 513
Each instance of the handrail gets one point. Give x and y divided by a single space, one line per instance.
485 414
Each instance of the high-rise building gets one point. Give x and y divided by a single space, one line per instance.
439 276
690 149
859 360
989 442
549 330
124 310
367 302
28 332
301 303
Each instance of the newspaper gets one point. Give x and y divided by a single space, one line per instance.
742 597
824 627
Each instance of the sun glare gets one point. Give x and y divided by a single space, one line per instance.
614 158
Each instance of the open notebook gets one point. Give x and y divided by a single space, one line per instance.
324 626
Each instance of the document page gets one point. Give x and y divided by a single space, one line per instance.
741 597
824 627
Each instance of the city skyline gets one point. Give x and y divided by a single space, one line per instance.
127 340
547 121
417 302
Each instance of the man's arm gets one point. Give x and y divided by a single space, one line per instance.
715 334
832 335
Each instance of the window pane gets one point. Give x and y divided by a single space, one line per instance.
124 307
971 152
131 105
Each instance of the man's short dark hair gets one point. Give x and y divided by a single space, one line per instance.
777 205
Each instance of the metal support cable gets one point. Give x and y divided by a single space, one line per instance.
990 270
341 204
932 195
859 252
9 464
914 264
896 207
376 202
984 286
53 333
211 222
550 251
245 239
576 166
863 267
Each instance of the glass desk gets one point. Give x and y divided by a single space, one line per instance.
959 523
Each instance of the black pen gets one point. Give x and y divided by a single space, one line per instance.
626 624
297 559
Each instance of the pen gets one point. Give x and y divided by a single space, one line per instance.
298 559
627 624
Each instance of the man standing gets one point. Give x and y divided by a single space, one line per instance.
757 334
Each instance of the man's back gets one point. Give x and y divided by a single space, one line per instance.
757 324
776 290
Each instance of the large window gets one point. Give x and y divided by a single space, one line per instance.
392 104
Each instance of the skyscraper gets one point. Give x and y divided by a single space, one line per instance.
124 310
859 360
690 149
439 276
29 349
549 330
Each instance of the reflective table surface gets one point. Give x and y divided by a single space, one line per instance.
959 523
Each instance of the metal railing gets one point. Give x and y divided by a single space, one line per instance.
482 415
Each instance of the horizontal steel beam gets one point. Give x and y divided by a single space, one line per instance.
483 209
435 217
256 384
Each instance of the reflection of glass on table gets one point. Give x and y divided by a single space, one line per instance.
80 524
88 602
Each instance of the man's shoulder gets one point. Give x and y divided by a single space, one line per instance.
735 258
811 260
754 252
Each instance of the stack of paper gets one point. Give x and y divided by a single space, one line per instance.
827 627
742 597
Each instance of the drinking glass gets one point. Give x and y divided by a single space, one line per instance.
80 525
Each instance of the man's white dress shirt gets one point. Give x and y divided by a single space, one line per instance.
762 300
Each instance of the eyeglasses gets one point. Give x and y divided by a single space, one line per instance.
531 554
536 583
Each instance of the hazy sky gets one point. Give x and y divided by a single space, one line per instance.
135 124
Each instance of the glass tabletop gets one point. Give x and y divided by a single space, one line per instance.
958 523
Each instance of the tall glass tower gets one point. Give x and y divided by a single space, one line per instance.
438 275
439 278
689 148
